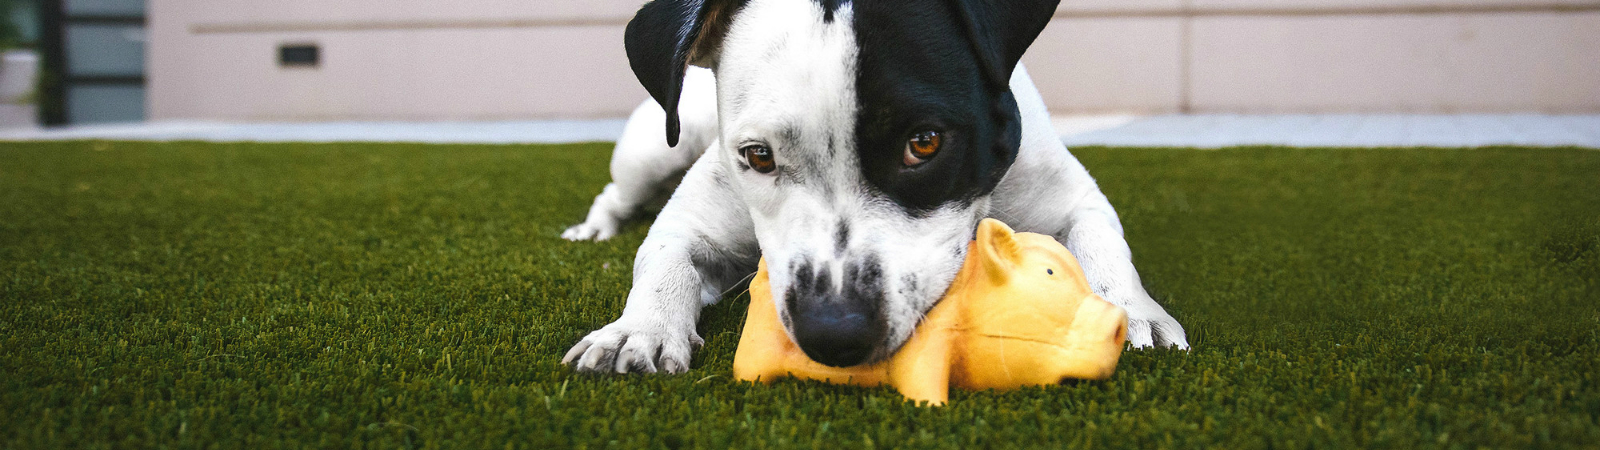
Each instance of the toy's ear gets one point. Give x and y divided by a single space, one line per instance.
1001 31
665 36
998 249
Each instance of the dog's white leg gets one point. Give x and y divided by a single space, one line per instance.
1096 239
700 244
1048 191
1060 199
1064 202
644 168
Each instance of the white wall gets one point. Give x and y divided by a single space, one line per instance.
518 59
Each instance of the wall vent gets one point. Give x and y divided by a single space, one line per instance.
298 55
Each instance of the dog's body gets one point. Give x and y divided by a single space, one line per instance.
856 152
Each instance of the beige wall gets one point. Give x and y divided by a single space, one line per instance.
1266 56
391 59
519 59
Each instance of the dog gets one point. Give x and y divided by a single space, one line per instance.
854 145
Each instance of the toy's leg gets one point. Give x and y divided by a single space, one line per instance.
644 169
920 370
763 349
700 244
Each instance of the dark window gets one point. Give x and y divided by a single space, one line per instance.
298 55
93 60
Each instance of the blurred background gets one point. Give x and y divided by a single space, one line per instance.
72 62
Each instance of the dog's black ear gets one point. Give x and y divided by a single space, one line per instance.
668 35
1001 30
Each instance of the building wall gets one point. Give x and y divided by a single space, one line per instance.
1319 56
520 59
391 59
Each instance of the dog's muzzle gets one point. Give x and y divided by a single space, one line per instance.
837 325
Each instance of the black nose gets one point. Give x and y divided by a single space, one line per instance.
837 326
835 338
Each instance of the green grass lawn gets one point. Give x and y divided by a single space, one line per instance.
248 296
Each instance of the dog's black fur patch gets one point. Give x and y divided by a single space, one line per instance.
932 65
661 39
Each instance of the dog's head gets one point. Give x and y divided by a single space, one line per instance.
864 137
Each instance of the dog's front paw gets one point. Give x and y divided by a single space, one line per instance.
625 347
591 230
1149 325
1156 332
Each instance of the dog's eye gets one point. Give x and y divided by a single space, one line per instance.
921 147
759 157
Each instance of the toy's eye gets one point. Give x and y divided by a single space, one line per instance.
921 146
1050 271
759 157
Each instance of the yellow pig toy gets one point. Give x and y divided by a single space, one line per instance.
1019 313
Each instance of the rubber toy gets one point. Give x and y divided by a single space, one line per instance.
1019 313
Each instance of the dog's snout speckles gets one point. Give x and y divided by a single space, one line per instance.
837 324
841 236
908 283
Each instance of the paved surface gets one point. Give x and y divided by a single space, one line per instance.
1204 131
1347 130
544 131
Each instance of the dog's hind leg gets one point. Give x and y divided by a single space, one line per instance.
644 169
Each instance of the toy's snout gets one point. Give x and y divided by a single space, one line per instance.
1096 337
1097 317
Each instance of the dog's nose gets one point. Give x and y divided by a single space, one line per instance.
836 335
838 325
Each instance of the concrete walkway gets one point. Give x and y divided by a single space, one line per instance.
543 131
1203 131
1344 130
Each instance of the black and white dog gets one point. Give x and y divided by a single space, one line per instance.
853 144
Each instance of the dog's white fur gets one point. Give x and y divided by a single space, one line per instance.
781 64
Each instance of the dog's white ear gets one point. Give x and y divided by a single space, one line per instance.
1000 31
998 249
665 36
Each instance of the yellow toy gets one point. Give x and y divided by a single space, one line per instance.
1019 313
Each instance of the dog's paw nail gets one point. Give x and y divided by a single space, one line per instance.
632 348
576 233
588 232
1139 333
1168 333
577 351
672 366
635 364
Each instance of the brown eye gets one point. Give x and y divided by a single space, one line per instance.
921 146
759 157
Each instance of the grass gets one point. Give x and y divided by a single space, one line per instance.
395 296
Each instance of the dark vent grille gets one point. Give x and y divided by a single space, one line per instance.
298 55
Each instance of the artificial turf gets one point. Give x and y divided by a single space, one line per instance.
252 296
